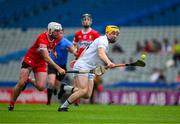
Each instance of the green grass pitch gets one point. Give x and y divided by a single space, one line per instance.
92 114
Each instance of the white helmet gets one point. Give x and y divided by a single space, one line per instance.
54 26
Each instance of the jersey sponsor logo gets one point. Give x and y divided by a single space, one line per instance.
84 44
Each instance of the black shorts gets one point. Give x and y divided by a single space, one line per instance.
25 65
52 70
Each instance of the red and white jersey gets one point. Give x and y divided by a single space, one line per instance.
84 39
42 42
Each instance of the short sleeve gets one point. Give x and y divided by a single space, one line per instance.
68 43
102 44
42 42
75 39
96 35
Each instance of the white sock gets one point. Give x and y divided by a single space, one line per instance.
65 104
68 88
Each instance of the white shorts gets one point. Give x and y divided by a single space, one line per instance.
89 75
79 66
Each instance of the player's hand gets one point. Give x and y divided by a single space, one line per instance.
54 54
61 71
110 65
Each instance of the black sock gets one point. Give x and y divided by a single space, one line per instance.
72 90
69 102
49 95
55 91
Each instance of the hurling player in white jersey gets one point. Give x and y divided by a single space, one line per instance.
91 58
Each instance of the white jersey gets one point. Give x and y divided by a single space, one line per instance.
90 59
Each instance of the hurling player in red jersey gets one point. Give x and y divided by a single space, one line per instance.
83 38
36 60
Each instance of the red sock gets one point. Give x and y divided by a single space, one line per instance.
11 103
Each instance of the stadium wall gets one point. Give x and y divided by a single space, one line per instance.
126 94
139 97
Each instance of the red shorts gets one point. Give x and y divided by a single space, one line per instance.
36 65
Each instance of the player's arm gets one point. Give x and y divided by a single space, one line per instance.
73 50
54 53
75 41
75 45
44 52
102 55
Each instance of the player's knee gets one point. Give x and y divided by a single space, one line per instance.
86 94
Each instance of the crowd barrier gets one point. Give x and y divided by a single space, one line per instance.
124 93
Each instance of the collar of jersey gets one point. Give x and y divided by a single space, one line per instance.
87 31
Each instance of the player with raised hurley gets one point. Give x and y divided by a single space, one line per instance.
95 55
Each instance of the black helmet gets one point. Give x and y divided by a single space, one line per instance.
86 15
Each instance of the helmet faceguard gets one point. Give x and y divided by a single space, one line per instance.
84 18
54 27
